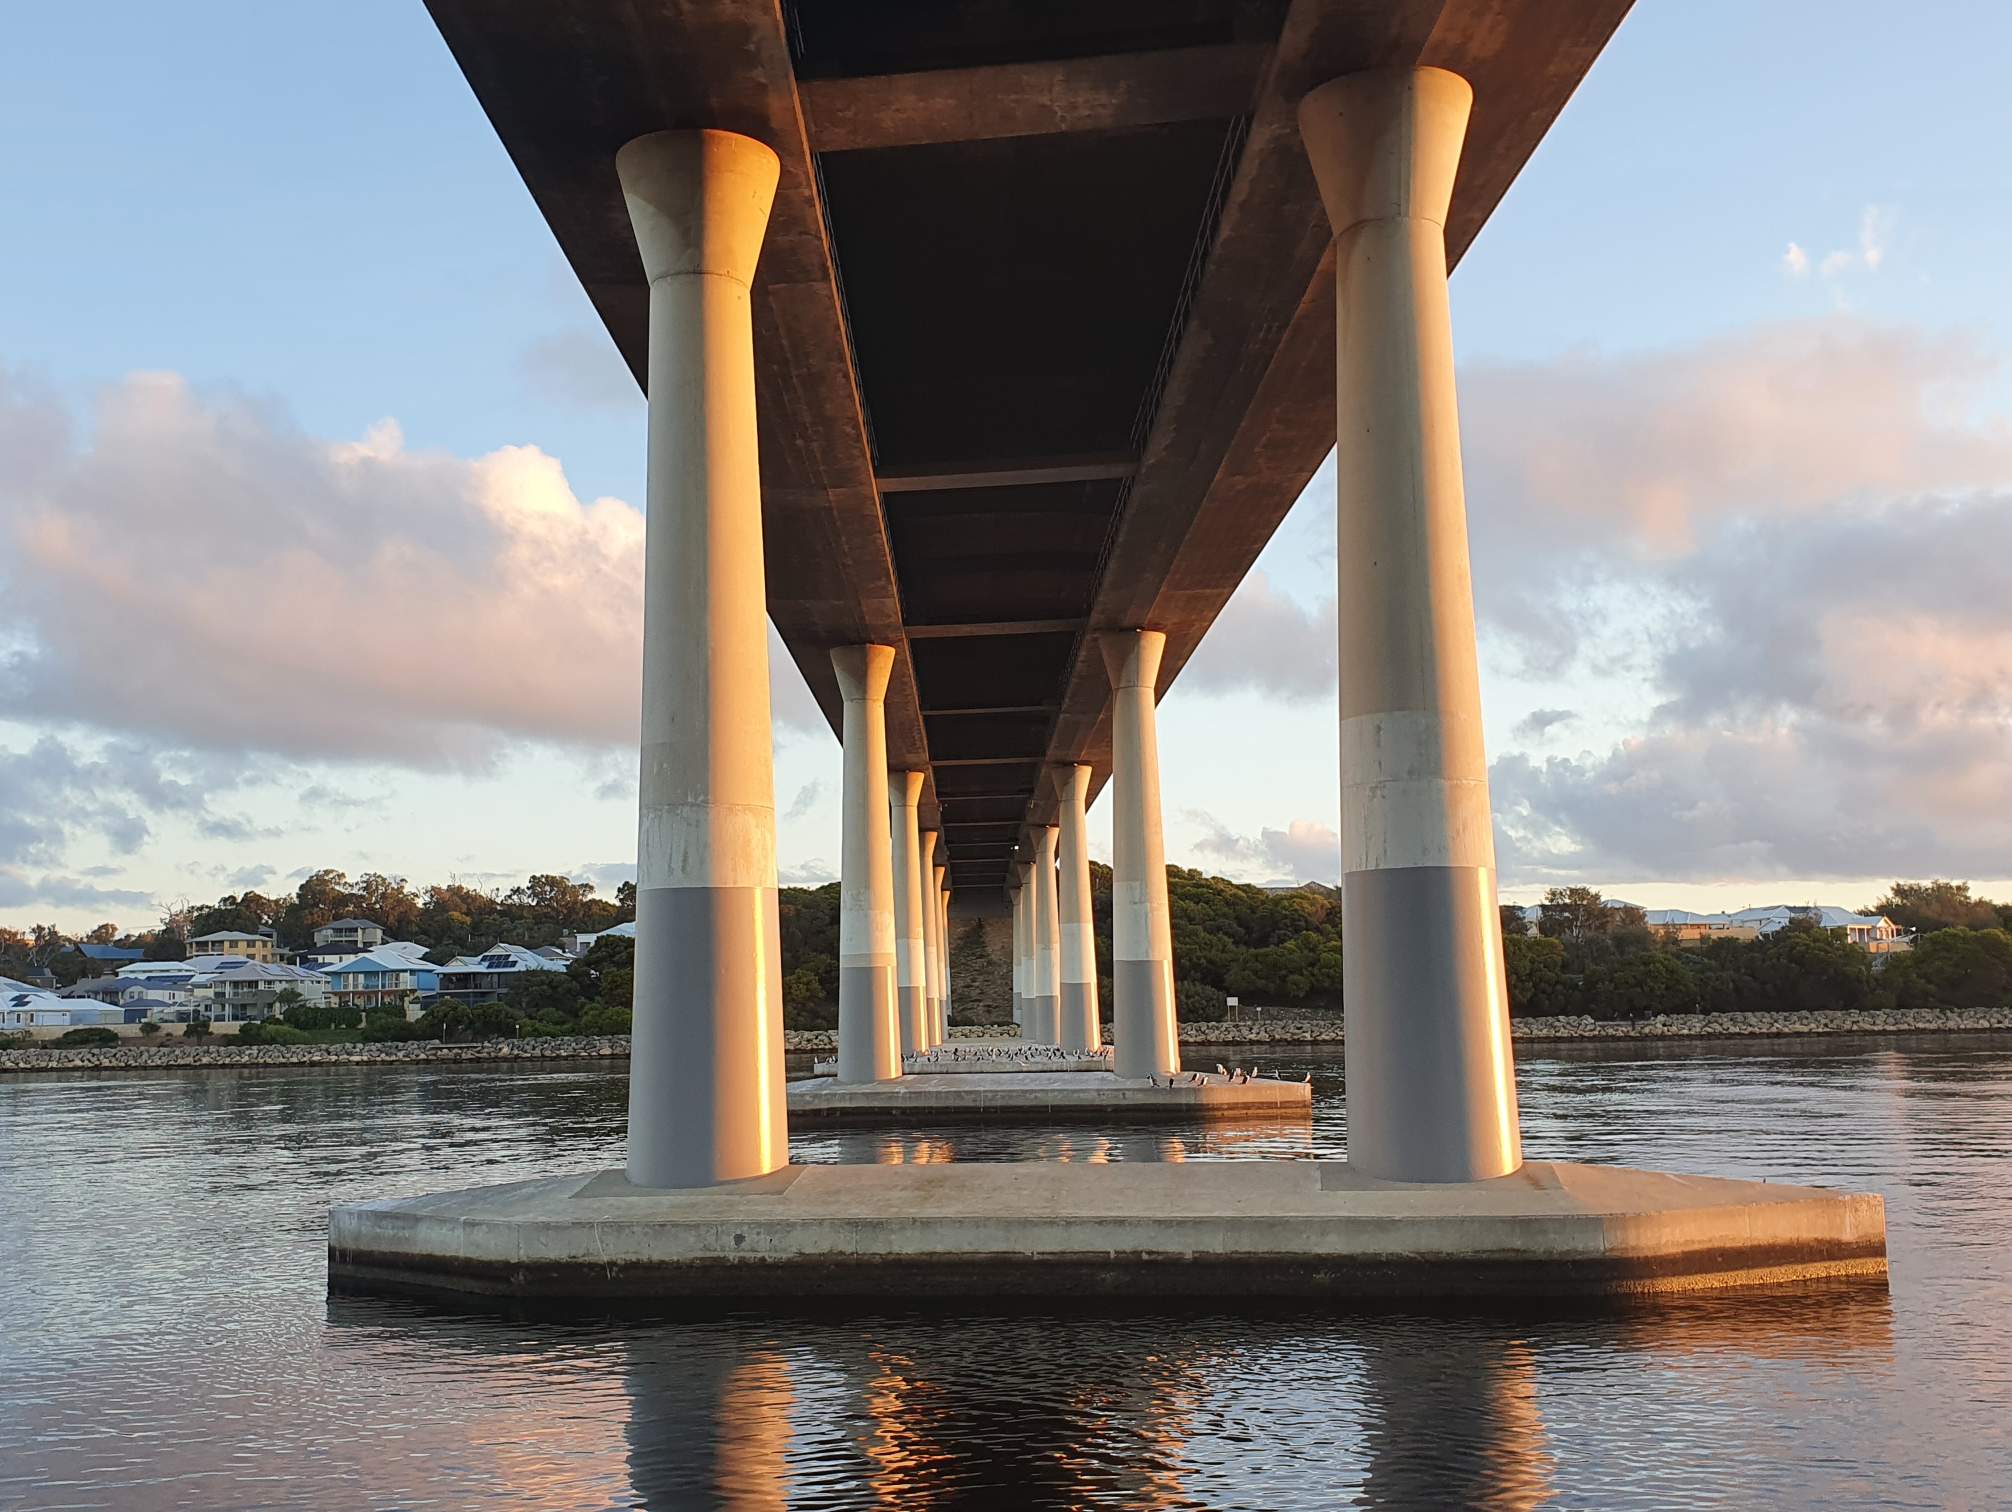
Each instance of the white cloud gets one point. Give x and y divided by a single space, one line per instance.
1304 851
201 573
1795 261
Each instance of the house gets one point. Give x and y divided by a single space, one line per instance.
23 1007
577 945
1873 933
353 935
140 971
486 977
103 960
251 989
125 992
381 979
235 942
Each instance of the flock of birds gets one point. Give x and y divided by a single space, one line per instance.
1235 1076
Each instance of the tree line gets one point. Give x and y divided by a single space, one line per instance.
1280 949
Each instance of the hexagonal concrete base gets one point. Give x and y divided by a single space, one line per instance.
1230 1230
1047 1095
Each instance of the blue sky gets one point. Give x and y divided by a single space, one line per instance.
1738 510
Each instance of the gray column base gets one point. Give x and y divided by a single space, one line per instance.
908 1005
1142 1019
863 991
1431 1081
1043 1018
1079 1029
705 1068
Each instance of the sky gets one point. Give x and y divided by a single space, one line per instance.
320 484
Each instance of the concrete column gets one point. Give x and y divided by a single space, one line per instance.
1081 1025
905 790
705 1071
1142 940
943 950
1023 947
1047 956
1431 1084
932 991
869 1026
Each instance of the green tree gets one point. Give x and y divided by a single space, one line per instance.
1928 906
1953 968
1534 969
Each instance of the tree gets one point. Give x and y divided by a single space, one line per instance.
287 1001
1640 986
104 934
1953 968
1936 905
1534 968
1514 921
1573 913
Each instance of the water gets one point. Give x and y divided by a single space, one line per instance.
165 1339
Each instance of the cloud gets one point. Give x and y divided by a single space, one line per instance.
805 800
812 873
203 574
1243 649
1795 262
1304 851
1541 722
606 876
18 890
59 791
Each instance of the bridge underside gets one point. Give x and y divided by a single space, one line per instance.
1044 319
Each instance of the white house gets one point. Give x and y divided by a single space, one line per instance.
486 977
235 942
251 989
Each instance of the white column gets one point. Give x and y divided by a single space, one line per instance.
931 990
943 950
1431 1083
705 1070
1081 1022
1047 959
1023 947
1142 940
869 1029
904 792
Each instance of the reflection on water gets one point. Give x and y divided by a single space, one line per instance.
165 1340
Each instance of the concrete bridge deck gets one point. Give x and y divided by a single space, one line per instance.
1044 320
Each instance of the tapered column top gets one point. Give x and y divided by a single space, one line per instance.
862 671
1132 657
1386 143
904 789
1071 783
699 201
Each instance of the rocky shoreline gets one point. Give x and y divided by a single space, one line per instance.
174 1055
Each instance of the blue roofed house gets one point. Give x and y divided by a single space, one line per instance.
382 979
103 960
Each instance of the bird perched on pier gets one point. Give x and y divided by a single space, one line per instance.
1307 1080
1221 1069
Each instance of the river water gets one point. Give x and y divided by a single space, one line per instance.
166 1339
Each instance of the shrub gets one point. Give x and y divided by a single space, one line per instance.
312 1016
607 1018
1198 1003
196 1028
88 1034
16 1041
389 1025
271 1032
150 1028
452 1021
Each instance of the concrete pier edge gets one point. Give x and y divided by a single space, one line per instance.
1231 1230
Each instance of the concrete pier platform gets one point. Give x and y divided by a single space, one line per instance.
1226 1230
1047 1095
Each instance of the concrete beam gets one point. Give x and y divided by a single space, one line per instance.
1107 93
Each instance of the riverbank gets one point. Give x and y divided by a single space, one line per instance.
1284 1034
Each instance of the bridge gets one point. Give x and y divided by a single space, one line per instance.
986 344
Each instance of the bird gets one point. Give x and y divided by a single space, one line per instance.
1221 1069
1307 1080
